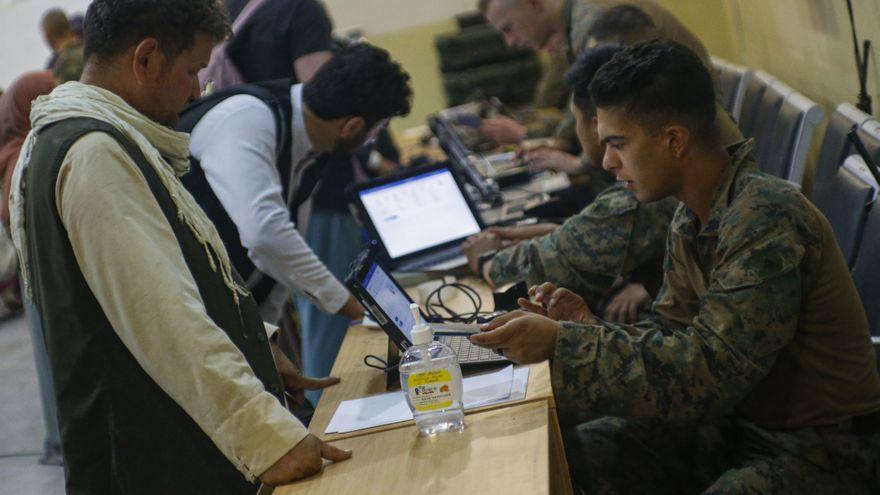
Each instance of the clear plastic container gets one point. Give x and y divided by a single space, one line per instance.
430 376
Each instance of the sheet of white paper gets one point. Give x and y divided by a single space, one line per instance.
487 388
507 384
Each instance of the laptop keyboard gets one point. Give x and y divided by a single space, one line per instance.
466 351
434 259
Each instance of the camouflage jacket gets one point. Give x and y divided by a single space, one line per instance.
579 16
758 317
69 64
614 235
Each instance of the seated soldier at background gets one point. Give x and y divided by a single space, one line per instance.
568 26
757 374
613 237
533 260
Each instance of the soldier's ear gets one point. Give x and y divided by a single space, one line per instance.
677 138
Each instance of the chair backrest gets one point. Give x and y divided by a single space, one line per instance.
765 120
835 144
866 271
732 81
756 85
785 152
844 201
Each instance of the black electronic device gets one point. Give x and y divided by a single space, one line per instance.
375 287
417 219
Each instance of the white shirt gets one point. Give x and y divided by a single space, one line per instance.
236 145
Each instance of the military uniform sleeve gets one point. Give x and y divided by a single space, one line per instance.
132 262
658 369
585 254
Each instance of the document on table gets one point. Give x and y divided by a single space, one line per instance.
505 385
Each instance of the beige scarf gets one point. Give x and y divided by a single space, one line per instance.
155 141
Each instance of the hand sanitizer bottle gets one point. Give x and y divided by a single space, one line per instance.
431 378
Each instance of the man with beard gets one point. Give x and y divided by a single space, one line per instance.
252 150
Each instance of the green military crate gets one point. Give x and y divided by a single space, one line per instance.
474 46
512 82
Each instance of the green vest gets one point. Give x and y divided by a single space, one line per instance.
120 433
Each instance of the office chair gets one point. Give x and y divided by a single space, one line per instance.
765 120
756 85
866 274
732 81
844 201
785 151
835 145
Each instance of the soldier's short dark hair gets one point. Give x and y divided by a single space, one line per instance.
625 24
656 81
54 22
582 72
113 26
360 80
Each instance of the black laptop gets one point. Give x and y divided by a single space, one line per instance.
418 219
379 292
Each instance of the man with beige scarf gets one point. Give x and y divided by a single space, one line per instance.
165 376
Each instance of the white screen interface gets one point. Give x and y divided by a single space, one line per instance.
419 212
393 302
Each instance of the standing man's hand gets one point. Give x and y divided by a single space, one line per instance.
519 336
294 381
352 309
306 459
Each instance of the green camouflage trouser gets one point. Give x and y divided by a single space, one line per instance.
612 455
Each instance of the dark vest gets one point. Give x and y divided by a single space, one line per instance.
276 95
120 433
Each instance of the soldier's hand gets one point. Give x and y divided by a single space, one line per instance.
624 306
294 381
550 159
306 459
558 304
503 130
476 245
520 336
523 232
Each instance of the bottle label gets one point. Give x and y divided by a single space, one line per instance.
430 390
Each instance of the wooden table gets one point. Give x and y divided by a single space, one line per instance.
509 448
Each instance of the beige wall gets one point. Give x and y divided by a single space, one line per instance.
806 43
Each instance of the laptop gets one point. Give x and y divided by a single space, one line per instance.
375 288
418 219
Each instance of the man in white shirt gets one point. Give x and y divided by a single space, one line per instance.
252 148
166 380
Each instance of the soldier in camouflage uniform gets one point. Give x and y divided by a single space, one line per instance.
69 64
613 237
757 373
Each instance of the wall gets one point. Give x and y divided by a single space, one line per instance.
806 43
21 45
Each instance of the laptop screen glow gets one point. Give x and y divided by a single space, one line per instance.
386 294
419 212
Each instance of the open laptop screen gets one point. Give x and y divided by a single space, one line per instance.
419 212
390 299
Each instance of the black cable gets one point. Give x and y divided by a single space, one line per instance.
864 103
467 317
383 366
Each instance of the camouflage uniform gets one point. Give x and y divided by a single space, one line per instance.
756 376
69 64
613 236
